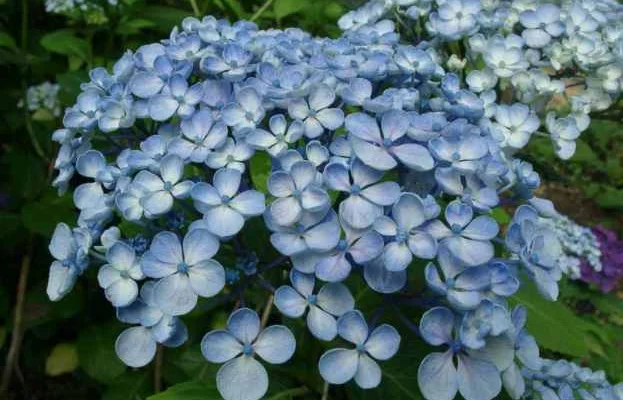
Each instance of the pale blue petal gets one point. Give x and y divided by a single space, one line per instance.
358 212
333 268
135 347
174 294
154 268
289 302
121 256
471 252
368 247
276 344
414 156
459 214
436 326
338 366
481 228
383 342
384 193
381 280
244 324
224 221
61 280
336 177
162 107
513 382
220 346
368 374
335 298
408 212
157 203
397 256
286 210
364 127
303 283
207 278
62 243
423 245
122 292
371 155
352 326
166 247
331 118
437 377
478 379
199 245
227 181
321 324
242 378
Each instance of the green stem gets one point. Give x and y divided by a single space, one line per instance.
193 4
325 391
261 10
290 393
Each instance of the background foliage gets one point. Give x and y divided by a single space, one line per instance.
67 347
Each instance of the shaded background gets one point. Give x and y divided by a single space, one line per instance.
67 347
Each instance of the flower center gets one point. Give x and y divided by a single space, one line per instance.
182 267
401 236
342 245
455 346
312 299
355 189
168 186
247 349
456 228
456 156
225 199
387 142
249 116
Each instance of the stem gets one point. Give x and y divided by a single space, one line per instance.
158 369
193 4
290 393
16 337
267 309
275 263
261 10
413 327
97 255
325 391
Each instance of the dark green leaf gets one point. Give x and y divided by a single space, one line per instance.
129 386
283 8
193 390
65 42
42 216
555 326
26 173
164 18
133 26
7 40
260 165
96 351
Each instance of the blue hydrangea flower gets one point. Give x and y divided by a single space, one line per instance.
232 154
367 196
118 277
379 148
186 270
94 205
314 232
358 246
152 150
382 280
177 98
70 249
280 137
316 113
232 64
136 346
201 135
357 92
159 191
454 18
338 366
85 113
406 233
332 300
246 112
242 377
224 209
92 164
146 84
541 25
514 125
468 238
296 193
538 249
474 377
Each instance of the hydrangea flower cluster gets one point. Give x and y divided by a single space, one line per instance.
43 97
380 162
578 243
89 10
611 273
540 67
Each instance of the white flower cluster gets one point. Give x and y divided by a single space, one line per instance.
43 97
577 242
535 63
91 10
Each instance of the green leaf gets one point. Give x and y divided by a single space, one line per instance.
7 40
26 173
10 223
283 8
555 326
164 18
131 385
584 153
40 310
63 359
133 26
610 197
42 216
260 165
70 85
500 215
96 351
64 42
192 390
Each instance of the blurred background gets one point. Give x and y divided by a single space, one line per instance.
65 350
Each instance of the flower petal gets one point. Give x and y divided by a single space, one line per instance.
174 294
276 344
244 324
135 347
242 378
321 324
207 278
383 342
289 302
352 326
437 377
368 374
338 366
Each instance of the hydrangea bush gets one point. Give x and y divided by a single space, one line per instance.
359 159
539 67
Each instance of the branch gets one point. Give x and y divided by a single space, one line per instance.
16 337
